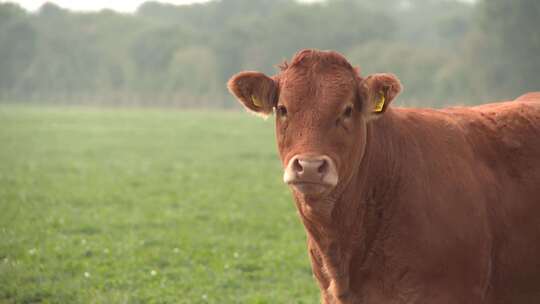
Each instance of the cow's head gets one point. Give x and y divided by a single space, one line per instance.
322 107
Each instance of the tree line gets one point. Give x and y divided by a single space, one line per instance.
444 51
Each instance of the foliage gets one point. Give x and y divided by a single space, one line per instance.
444 51
513 40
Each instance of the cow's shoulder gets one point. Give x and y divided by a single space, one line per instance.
508 131
499 122
531 96
501 116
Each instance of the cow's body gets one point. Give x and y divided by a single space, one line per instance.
445 209
405 205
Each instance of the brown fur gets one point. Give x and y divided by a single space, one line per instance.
432 206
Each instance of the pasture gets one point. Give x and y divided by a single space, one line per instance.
146 206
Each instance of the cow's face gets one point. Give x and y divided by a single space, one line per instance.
322 108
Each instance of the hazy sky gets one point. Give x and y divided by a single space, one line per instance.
92 5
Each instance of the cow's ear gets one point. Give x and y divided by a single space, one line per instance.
377 92
256 91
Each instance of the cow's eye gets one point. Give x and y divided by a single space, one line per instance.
347 113
281 111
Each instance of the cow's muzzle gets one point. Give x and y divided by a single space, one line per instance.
310 174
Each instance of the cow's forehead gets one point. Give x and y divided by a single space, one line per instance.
326 86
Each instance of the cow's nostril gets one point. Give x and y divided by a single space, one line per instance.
323 168
297 167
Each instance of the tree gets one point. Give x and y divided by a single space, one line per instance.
512 45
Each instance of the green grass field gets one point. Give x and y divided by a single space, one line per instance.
146 206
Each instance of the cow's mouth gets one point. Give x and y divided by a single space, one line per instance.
310 188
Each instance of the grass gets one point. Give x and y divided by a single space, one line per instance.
145 206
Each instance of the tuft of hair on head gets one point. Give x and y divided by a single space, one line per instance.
314 57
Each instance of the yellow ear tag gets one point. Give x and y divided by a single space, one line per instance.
380 104
256 101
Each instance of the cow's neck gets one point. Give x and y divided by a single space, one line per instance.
345 225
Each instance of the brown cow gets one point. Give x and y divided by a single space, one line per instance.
405 205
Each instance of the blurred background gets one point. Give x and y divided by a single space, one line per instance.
444 51
128 174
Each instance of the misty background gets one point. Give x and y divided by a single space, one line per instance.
444 51
128 173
